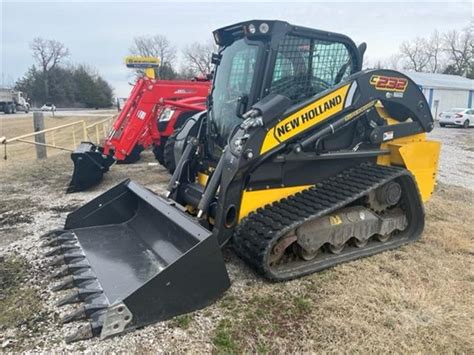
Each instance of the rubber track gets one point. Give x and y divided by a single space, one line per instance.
256 234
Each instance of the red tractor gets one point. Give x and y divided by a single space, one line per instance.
153 111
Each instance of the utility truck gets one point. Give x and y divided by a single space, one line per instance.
12 101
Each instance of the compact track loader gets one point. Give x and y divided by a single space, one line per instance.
301 162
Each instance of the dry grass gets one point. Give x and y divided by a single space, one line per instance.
11 126
18 301
417 299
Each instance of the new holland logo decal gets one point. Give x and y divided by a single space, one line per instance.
305 118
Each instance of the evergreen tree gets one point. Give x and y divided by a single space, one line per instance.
68 87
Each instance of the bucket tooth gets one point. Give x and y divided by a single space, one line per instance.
84 332
61 249
52 252
63 271
66 258
72 281
56 261
77 296
67 283
52 233
70 269
73 297
77 314
83 312
60 239
50 243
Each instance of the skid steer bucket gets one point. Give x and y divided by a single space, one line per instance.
134 258
89 167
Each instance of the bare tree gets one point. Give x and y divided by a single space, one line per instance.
366 63
48 53
434 50
393 62
378 63
197 58
156 46
414 54
423 54
459 47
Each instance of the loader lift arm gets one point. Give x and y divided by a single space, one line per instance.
136 122
136 127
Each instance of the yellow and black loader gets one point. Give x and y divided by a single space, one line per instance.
301 162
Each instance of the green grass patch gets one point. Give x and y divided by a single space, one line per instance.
182 321
302 304
19 303
253 323
223 338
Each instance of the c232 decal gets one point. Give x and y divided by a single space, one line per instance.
388 83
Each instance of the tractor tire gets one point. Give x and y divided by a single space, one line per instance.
133 157
168 152
159 154
466 124
7 109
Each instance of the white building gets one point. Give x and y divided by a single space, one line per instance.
444 91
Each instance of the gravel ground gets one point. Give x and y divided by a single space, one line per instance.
456 166
406 305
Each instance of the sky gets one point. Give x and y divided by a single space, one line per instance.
100 34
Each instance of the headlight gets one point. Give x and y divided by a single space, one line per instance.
264 27
252 29
166 115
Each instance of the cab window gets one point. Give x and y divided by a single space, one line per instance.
305 67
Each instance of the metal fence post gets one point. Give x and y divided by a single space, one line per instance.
38 125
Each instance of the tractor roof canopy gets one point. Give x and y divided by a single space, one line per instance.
274 31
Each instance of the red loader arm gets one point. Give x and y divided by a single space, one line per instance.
148 97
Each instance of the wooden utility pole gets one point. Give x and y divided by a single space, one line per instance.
38 125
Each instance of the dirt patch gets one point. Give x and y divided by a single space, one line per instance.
15 214
15 211
11 218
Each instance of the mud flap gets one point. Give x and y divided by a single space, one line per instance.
89 167
135 258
